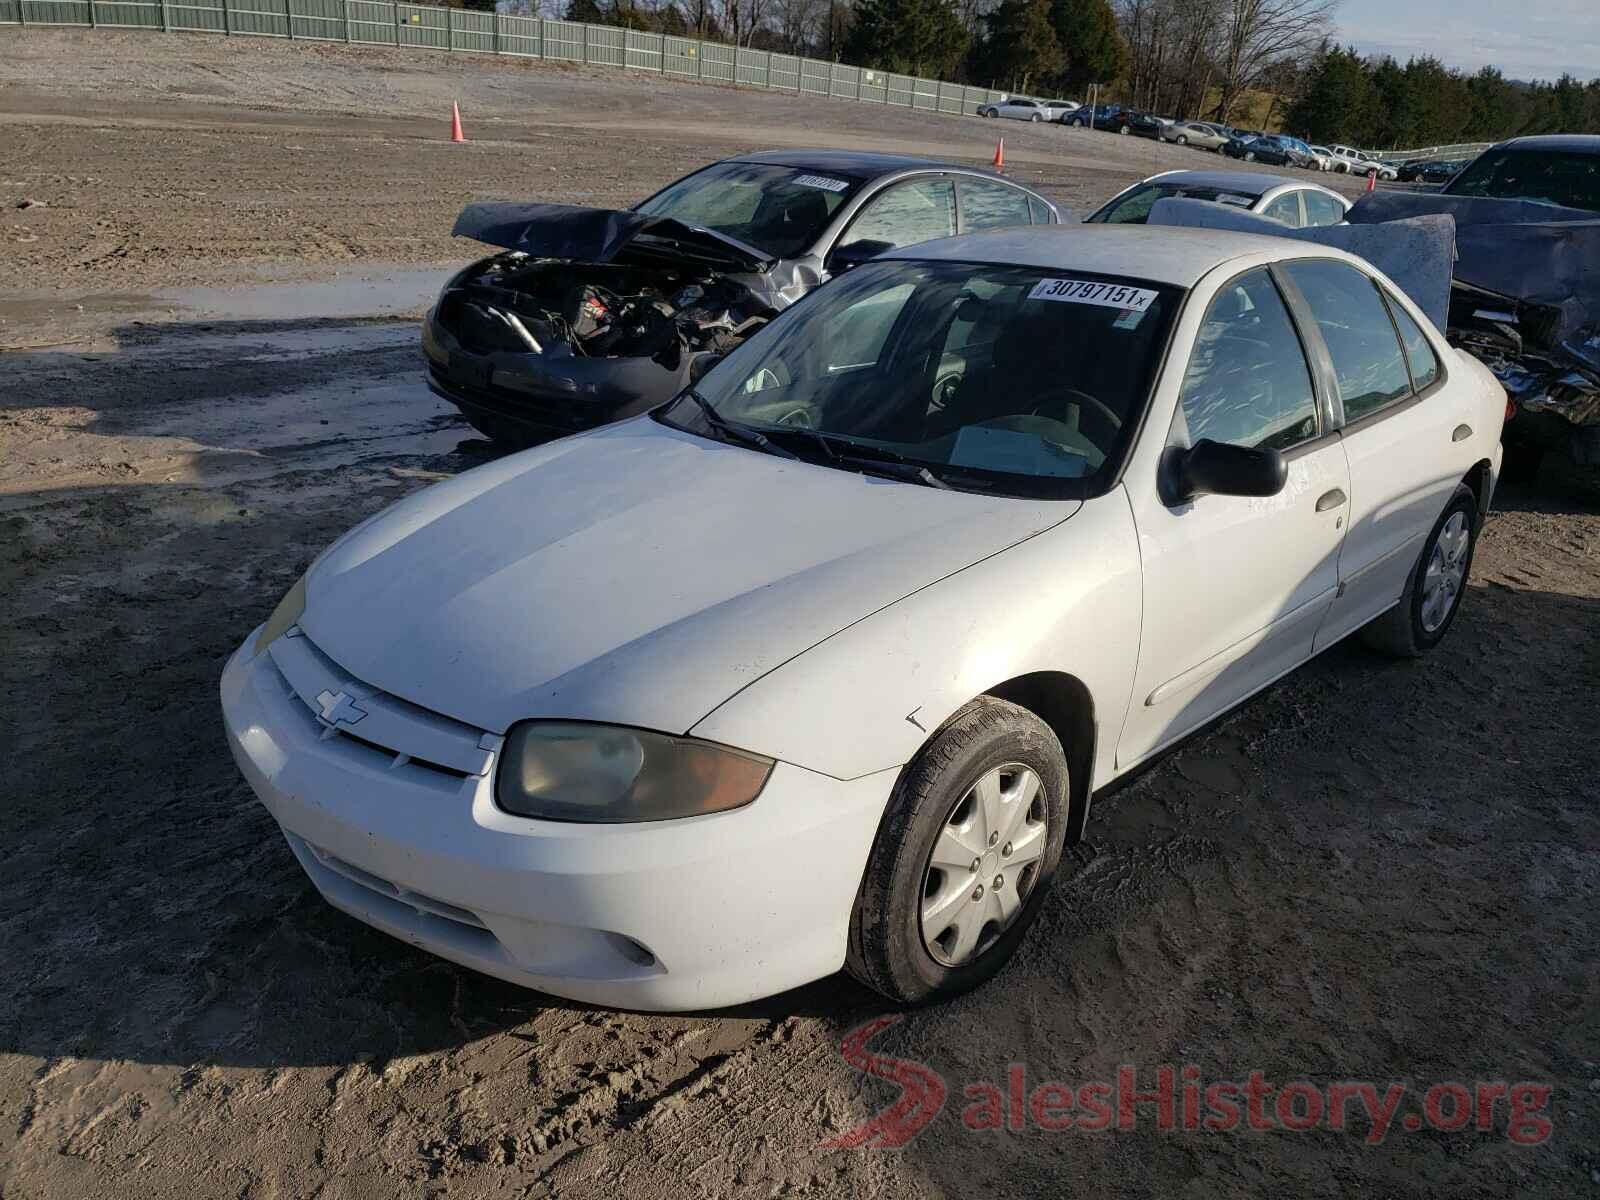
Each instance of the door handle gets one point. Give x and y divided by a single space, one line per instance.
1462 433
1331 499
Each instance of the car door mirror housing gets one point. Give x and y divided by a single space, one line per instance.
853 254
1219 469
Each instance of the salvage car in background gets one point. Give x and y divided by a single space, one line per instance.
591 315
1290 201
1114 118
821 664
1019 108
1195 133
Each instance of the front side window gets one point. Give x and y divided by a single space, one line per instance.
1247 383
989 205
1355 324
1286 208
1552 176
1419 352
1002 379
777 209
907 213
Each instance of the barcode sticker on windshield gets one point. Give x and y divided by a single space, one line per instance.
1085 291
823 182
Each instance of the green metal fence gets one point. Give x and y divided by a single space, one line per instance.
425 27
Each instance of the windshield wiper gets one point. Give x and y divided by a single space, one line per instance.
742 434
874 460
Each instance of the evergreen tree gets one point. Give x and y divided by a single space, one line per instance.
909 37
1087 33
1019 46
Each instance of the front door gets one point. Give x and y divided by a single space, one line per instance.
1235 587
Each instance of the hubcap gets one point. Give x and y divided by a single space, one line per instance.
1446 572
983 864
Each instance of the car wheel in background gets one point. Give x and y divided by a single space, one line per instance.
963 856
1249 156
1181 139
1433 594
1123 129
1036 118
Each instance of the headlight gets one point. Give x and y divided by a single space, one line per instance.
289 610
573 771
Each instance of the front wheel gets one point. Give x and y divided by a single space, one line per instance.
1123 129
963 856
1181 140
1432 597
1035 118
1249 156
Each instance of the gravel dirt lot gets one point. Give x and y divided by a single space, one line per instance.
1374 871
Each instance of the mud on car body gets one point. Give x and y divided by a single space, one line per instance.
593 315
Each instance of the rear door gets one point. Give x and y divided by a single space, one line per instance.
1402 431
1235 587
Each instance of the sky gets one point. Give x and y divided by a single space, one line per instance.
1528 39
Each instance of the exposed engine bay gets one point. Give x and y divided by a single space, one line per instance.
553 307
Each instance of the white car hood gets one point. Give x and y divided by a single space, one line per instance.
637 574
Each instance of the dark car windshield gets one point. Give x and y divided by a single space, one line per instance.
779 210
1554 176
1001 379
1134 207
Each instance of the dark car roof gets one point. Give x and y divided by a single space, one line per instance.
864 164
1578 143
1246 183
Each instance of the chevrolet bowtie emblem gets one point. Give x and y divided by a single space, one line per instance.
339 706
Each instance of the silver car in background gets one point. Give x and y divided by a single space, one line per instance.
1194 133
1020 108
1298 205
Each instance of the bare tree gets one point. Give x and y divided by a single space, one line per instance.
801 25
1259 33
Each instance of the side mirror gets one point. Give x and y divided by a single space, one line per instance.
1215 468
856 253
701 363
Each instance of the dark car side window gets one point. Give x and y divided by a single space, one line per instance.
1247 382
989 205
907 213
1350 312
1419 353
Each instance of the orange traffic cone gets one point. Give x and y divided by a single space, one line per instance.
1372 181
455 123
1000 155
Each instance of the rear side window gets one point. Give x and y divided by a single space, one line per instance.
1419 353
989 205
1361 339
1040 212
1322 209
1247 382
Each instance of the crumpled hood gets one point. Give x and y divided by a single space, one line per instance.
588 234
637 574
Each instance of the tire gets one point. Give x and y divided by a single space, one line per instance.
1035 119
1123 129
888 949
1249 156
1182 139
1410 629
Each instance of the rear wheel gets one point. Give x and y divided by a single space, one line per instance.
963 856
1249 156
1433 594
1181 139
1036 118
1123 129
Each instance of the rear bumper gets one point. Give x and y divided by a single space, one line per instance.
673 915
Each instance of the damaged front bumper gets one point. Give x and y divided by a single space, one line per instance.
527 396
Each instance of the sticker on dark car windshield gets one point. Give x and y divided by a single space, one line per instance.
1086 291
823 182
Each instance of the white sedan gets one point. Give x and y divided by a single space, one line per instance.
820 664
1019 108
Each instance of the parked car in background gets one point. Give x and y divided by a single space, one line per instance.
702 707
1291 201
1019 108
1114 118
1062 108
1194 133
1261 148
1300 153
591 315
1430 170
1324 157
1354 162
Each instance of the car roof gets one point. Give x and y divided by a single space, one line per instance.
1582 143
864 164
1166 254
1246 183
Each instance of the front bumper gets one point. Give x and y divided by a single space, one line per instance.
689 914
528 397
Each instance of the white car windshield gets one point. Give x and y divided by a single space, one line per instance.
1004 379
779 210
